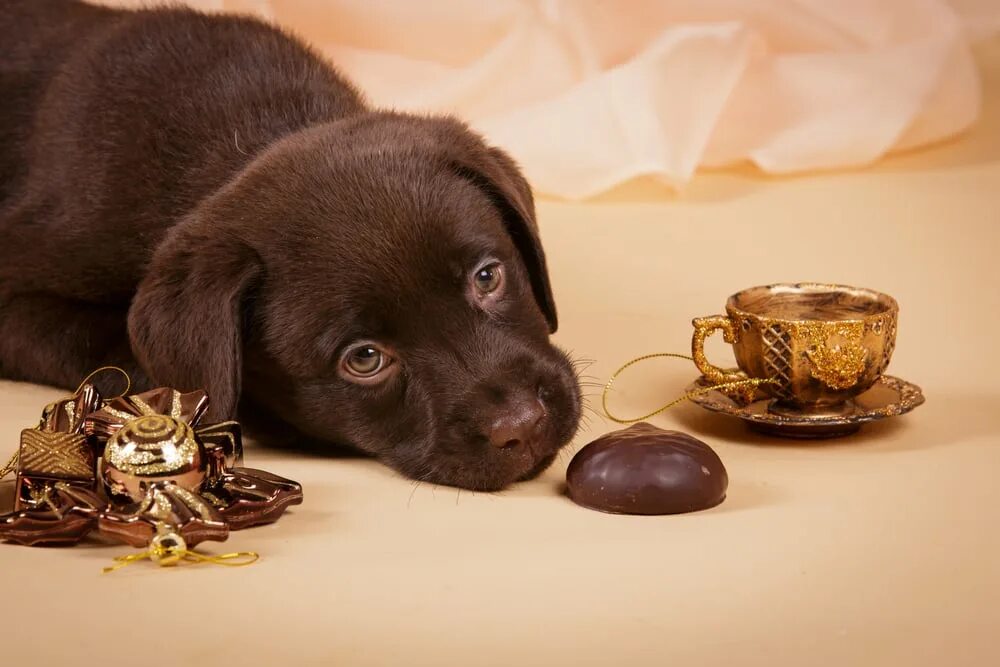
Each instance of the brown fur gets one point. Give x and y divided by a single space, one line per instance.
205 202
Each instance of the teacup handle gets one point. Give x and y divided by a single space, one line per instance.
703 328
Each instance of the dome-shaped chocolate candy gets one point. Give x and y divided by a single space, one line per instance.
647 470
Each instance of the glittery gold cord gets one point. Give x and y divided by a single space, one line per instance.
10 466
749 382
128 380
168 557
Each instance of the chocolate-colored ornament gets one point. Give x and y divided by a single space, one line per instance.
223 447
155 436
647 470
50 457
189 515
162 470
246 497
57 449
149 449
68 414
58 455
115 413
54 513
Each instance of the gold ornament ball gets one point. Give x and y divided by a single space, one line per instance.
148 449
167 547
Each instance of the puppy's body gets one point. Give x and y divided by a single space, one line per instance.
113 127
207 203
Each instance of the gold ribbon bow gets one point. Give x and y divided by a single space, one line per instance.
171 557
167 549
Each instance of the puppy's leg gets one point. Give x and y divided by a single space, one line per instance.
56 341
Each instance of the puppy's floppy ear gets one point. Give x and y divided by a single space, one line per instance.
186 319
498 175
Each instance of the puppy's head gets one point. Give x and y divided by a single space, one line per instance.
376 282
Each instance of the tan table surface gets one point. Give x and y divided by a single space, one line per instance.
877 549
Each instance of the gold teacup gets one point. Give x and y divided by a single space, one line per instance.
818 345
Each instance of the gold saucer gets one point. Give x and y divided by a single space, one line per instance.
888 397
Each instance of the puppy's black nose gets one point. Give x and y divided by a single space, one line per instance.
516 425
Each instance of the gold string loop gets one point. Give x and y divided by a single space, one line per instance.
168 557
11 464
736 384
128 380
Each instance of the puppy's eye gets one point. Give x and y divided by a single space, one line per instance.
365 361
488 278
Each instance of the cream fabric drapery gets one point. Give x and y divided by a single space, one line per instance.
587 94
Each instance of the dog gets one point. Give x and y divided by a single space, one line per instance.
205 202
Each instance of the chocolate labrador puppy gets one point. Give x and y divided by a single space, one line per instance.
206 202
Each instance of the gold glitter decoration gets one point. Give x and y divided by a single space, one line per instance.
705 326
212 498
120 414
157 505
837 365
194 502
152 445
70 414
161 507
53 454
42 495
145 409
113 414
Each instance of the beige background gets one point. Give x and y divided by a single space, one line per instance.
879 549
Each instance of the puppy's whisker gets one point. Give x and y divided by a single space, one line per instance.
416 485
588 408
580 366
